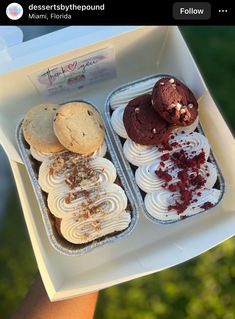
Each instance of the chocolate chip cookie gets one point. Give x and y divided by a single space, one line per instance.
79 127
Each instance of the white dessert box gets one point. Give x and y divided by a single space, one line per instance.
126 54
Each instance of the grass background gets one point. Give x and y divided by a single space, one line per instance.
201 288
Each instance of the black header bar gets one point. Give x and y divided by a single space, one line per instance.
112 12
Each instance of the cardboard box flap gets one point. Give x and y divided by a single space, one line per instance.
19 93
138 53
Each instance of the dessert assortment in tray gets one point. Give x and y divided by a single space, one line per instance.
92 177
156 129
84 197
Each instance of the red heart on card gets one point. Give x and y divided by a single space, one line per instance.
72 66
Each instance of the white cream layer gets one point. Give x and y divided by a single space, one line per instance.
111 195
149 182
139 155
124 96
157 203
41 156
117 122
104 167
89 230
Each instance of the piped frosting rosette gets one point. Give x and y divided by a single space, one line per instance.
82 232
139 155
148 181
41 156
168 180
105 201
100 170
157 203
117 122
124 96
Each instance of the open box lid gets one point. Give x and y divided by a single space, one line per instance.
160 50
138 52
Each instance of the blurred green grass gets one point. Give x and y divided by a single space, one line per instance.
200 288
213 49
17 263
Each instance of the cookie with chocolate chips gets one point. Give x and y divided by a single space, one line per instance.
174 101
144 125
38 128
79 127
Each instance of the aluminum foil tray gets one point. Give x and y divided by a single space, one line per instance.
58 242
129 169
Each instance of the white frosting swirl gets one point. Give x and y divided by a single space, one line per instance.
101 151
116 106
192 143
157 203
104 167
138 154
89 230
146 178
149 182
117 122
42 156
209 172
125 95
111 196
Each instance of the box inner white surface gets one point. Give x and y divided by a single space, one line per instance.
151 247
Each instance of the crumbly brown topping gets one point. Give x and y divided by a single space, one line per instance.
76 169
88 208
90 212
97 225
78 173
85 236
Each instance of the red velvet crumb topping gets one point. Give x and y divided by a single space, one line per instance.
207 205
190 181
